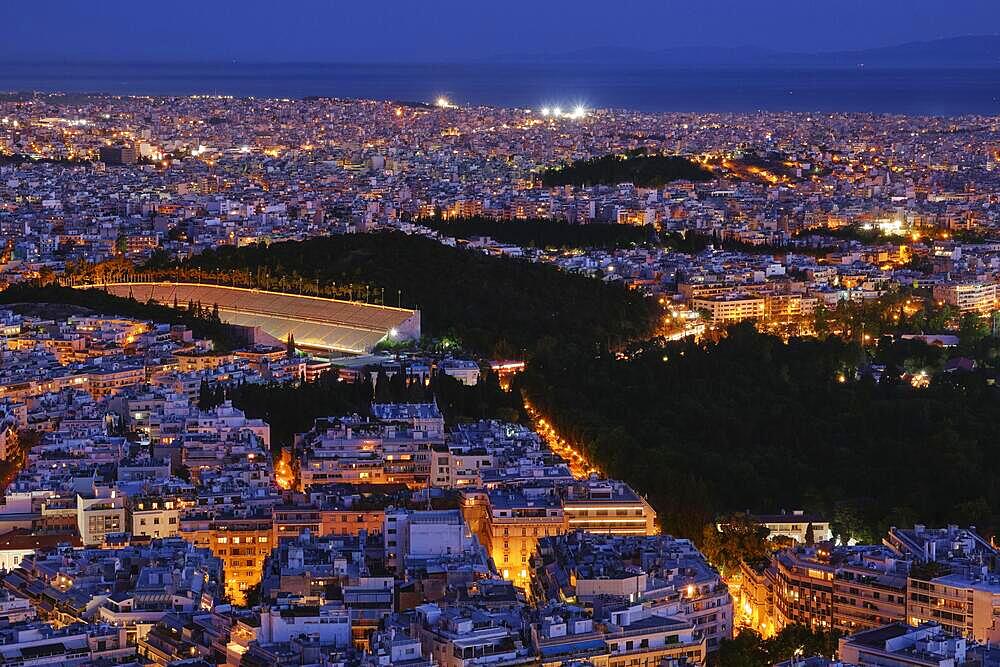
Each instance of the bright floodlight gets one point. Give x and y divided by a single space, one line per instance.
557 111
578 112
443 102
546 111
393 332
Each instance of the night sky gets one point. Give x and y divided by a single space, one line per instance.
459 30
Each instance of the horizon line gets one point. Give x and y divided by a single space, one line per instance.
525 62
533 58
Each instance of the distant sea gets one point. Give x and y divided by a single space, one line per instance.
724 89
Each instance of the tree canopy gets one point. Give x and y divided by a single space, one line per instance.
751 422
749 649
293 407
641 170
497 306
736 539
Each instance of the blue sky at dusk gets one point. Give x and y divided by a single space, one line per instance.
460 30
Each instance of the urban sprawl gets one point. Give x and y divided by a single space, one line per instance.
147 520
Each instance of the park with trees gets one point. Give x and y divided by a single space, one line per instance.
739 420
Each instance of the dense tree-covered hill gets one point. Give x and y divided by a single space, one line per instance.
753 423
648 171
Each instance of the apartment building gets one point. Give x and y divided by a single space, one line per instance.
154 516
755 605
242 543
103 382
869 590
607 506
803 587
99 514
294 616
357 451
458 637
640 576
900 645
730 308
968 297
430 533
966 604
945 576
514 522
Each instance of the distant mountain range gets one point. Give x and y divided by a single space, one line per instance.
968 51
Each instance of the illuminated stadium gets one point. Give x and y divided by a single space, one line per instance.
316 323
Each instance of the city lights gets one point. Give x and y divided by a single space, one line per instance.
686 374
841 228
578 464
579 111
